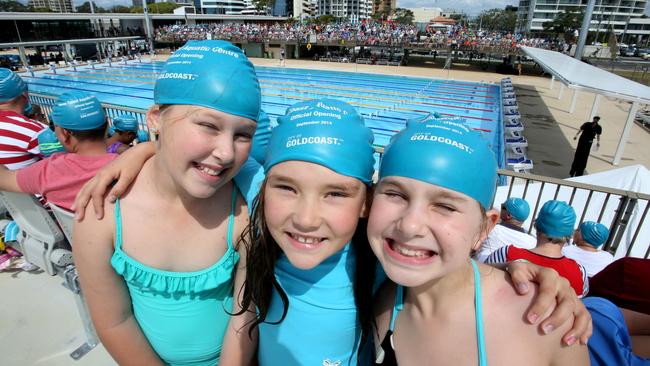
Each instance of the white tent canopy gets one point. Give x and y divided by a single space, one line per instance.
632 178
578 75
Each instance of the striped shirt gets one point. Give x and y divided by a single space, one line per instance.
18 140
565 267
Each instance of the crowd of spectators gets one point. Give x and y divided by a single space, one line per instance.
365 33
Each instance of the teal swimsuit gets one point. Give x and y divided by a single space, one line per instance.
386 355
184 315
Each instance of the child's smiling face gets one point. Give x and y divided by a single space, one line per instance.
420 232
201 148
311 211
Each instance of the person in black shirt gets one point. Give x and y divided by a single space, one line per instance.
587 132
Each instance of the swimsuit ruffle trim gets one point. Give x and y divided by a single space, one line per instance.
175 282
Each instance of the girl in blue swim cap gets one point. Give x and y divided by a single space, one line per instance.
309 273
158 273
431 209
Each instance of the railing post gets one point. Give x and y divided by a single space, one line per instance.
619 224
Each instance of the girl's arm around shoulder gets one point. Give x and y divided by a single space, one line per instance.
106 293
238 346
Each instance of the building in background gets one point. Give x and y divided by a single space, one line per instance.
57 6
353 10
532 14
227 7
425 15
304 9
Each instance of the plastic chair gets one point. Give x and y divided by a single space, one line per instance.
65 219
40 239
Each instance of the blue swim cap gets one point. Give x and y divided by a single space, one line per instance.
48 144
556 219
518 208
11 85
327 132
261 138
594 233
143 136
125 122
445 154
211 74
78 111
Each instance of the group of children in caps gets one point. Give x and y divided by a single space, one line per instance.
210 256
57 161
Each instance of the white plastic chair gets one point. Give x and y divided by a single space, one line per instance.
40 239
65 219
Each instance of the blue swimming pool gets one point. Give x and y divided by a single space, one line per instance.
386 101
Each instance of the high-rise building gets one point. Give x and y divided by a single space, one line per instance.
57 6
532 14
304 8
354 10
228 7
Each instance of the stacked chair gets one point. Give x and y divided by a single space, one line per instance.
515 142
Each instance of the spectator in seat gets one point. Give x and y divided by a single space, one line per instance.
125 131
554 226
509 231
18 134
80 126
587 239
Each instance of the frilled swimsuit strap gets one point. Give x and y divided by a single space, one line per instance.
480 338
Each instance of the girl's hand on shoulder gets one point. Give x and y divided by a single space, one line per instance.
553 291
115 178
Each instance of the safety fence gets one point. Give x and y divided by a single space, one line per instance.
624 212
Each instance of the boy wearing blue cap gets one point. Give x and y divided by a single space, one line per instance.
427 216
48 143
587 239
125 131
80 125
509 230
18 134
554 225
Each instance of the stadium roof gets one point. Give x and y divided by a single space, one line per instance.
582 76
579 75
